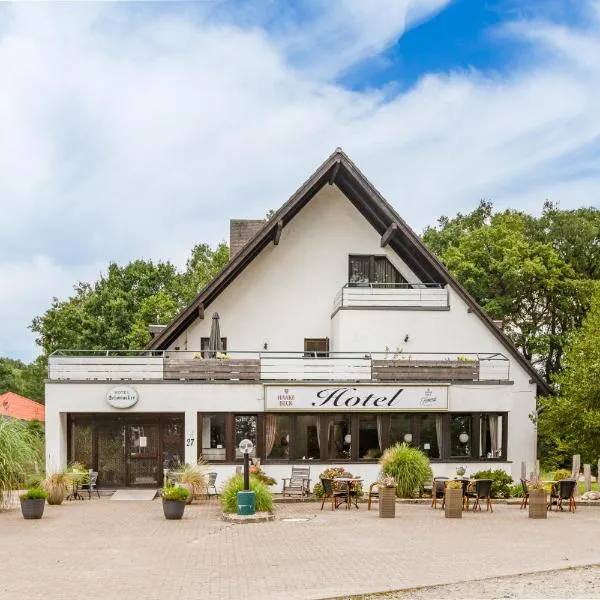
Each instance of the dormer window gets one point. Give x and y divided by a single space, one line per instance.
365 269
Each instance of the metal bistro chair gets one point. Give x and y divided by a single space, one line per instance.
212 480
337 496
564 490
483 491
91 485
437 491
524 495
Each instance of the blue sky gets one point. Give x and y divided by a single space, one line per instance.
120 121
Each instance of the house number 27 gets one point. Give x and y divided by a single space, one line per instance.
189 441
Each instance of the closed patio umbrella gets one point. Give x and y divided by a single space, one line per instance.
214 341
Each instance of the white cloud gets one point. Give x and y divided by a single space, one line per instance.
126 132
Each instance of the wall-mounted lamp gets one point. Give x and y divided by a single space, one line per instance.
266 345
408 438
406 338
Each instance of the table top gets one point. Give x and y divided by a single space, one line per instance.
347 478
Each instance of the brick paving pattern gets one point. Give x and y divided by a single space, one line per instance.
127 550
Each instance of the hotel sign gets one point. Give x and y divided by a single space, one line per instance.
121 397
333 398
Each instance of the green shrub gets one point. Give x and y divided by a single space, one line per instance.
515 491
175 493
561 474
35 493
409 467
501 482
332 473
235 484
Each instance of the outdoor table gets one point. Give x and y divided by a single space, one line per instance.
76 479
350 483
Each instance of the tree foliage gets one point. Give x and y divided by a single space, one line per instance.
21 378
534 274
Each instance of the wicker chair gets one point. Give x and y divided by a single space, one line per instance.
524 494
337 496
373 493
564 490
483 491
437 490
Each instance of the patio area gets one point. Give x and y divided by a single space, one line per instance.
106 549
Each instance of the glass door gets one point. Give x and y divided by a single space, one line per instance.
143 456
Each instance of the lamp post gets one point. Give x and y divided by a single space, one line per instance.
246 500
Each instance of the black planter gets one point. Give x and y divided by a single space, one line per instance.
173 509
33 509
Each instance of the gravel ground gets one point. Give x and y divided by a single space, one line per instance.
581 582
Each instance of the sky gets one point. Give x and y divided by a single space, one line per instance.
133 130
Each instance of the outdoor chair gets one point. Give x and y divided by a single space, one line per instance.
483 491
564 490
212 479
437 490
91 486
337 496
525 494
298 484
373 493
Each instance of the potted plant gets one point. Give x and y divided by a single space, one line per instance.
174 499
33 502
193 479
453 499
387 498
57 486
538 500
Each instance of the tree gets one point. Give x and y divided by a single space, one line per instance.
24 379
534 274
570 423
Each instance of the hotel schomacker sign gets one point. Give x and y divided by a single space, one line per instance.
328 397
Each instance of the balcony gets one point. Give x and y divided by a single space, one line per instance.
277 366
423 296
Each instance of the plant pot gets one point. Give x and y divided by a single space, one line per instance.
33 509
538 504
173 509
387 502
55 495
453 503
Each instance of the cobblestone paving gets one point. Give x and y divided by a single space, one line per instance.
127 550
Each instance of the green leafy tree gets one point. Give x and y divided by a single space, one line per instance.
24 379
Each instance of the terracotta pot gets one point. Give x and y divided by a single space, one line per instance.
453 503
538 504
387 502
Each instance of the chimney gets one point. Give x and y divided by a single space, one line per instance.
155 330
240 231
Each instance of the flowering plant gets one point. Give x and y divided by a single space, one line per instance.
261 475
223 356
461 470
387 481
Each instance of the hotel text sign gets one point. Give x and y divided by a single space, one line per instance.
122 397
331 397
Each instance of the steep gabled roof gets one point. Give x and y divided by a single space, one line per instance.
338 169
19 407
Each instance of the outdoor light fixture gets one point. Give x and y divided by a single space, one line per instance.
463 438
406 338
408 438
347 438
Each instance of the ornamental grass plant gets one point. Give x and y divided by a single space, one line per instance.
409 467
235 484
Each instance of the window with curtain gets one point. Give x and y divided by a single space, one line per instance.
307 437
372 270
368 437
400 429
277 436
213 436
430 434
339 437
245 428
460 436
490 436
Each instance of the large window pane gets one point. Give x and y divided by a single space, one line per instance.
173 443
339 438
245 428
213 437
401 429
368 437
307 437
431 435
277 436
490 436
81 444
460 435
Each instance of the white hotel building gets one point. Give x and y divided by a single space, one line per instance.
343 335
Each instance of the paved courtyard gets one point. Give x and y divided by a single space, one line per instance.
115 550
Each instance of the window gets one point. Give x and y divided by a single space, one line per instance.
369 433
369 269
316 347
245 428
460 436
401 429
307 441
204 344
339 437
430 434
277 436
490 436
213 437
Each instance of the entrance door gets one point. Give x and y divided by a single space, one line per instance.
143 460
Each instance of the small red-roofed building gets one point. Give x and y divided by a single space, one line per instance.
19 407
